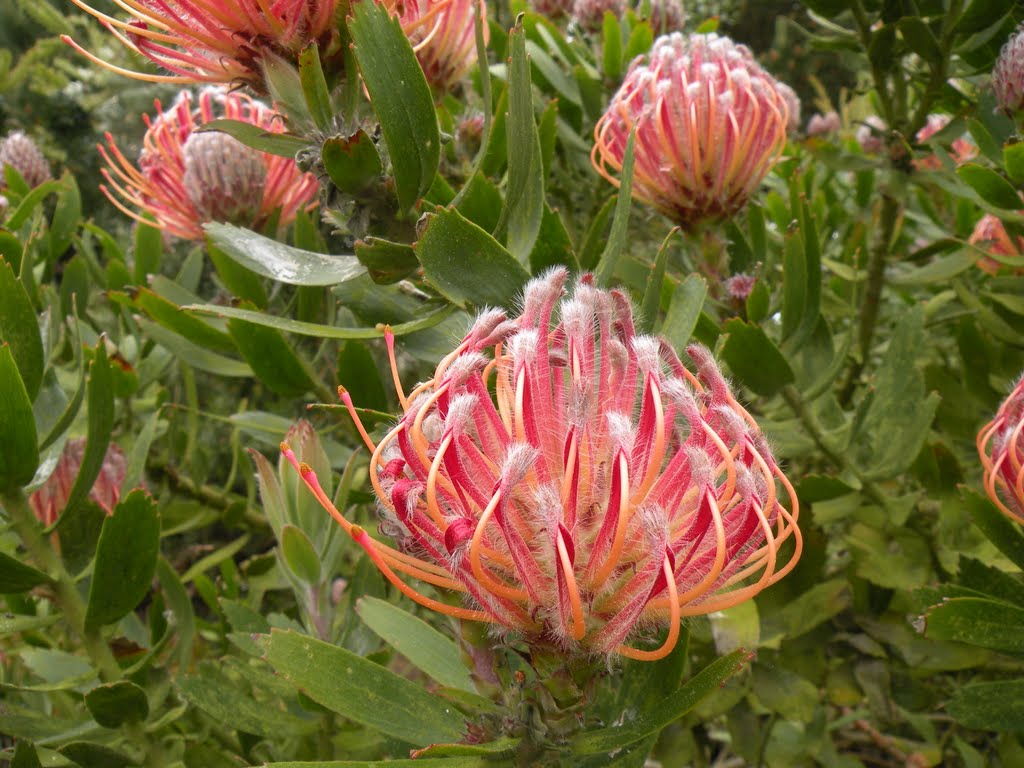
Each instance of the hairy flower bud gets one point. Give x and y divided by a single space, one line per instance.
792 107
49 500
822 125
600 492
1008 74
871 135
553 9
709 121
1001 449
185 178
589 14
21 153
666 16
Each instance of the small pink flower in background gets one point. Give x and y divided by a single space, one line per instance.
21 153
186 179
602 493
871 135
823 125
589 14
49 500
1008 74
443 35
553 9
792 107
963 149
990 233
665 16
220 41
710 123
739 286
1001 448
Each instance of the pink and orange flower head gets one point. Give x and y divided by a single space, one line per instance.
443 34
709 121
990 233
600 495
963 150
214 41
185 178
1001 448
50 499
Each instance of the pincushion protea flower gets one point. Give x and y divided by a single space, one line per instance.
990 233
1008 74
444 37
604 492
221 41
22 154
963 150
710 123
186 179
1001 448
49 500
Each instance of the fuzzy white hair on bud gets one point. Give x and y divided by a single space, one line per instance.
647 352
620 430
702 471
486 321
731 422
523 346
460 412
464 366
519 460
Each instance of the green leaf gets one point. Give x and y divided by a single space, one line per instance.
425 647
361 690
20 329
754 358
785 692
590 250
216 695
811 609
11 624
611 48
114 704
29 203
465 264
281 262
86 753
997 706
300 554
240 280
670 709
1005 534
990 186
446 762
272 358
320 331
149 247
401 98
314 87
126 558
25 756
180 603
193 355
1013 161
524 195
79 530
284 86
938 271
386 262
351 162
651 306
100 413
919 38
978 621
16 577
684 311
620 221
170 316
553 246
981 14
20 455
280 144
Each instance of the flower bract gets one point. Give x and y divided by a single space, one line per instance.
1001 448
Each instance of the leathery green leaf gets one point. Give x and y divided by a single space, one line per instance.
20 329
755 359
360 690
986 623
20 455
114 704
997 706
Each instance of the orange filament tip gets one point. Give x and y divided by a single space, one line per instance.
285 448
342 391
305 469
357 532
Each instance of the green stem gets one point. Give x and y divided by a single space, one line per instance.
814 429
70 601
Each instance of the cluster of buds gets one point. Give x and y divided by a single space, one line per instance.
185 178
553 9
990 233
588 15
50 499
1008 74
823 125
963 149
1001 448
709 122
602 493
21 153
218 41
443 34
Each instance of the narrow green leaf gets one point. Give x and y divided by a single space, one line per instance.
284 86
386 262
997 706
1002 532
280 144
29 203
1013 161
401 98
920 38
990 186
148 251
314 87
100 413
20 455
755 359
11 624
611 48
446 762
651 306
114 704
524 196
126 558
553 246
978 621
95 755
594 239
269 258
171 316
16 577
180 603
300 554
361 690
272 358
352 162
465 264
684 311
673 707
78 531
937 271
981 14
238 279
25 755
193 355
20 329
420 643
620 221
